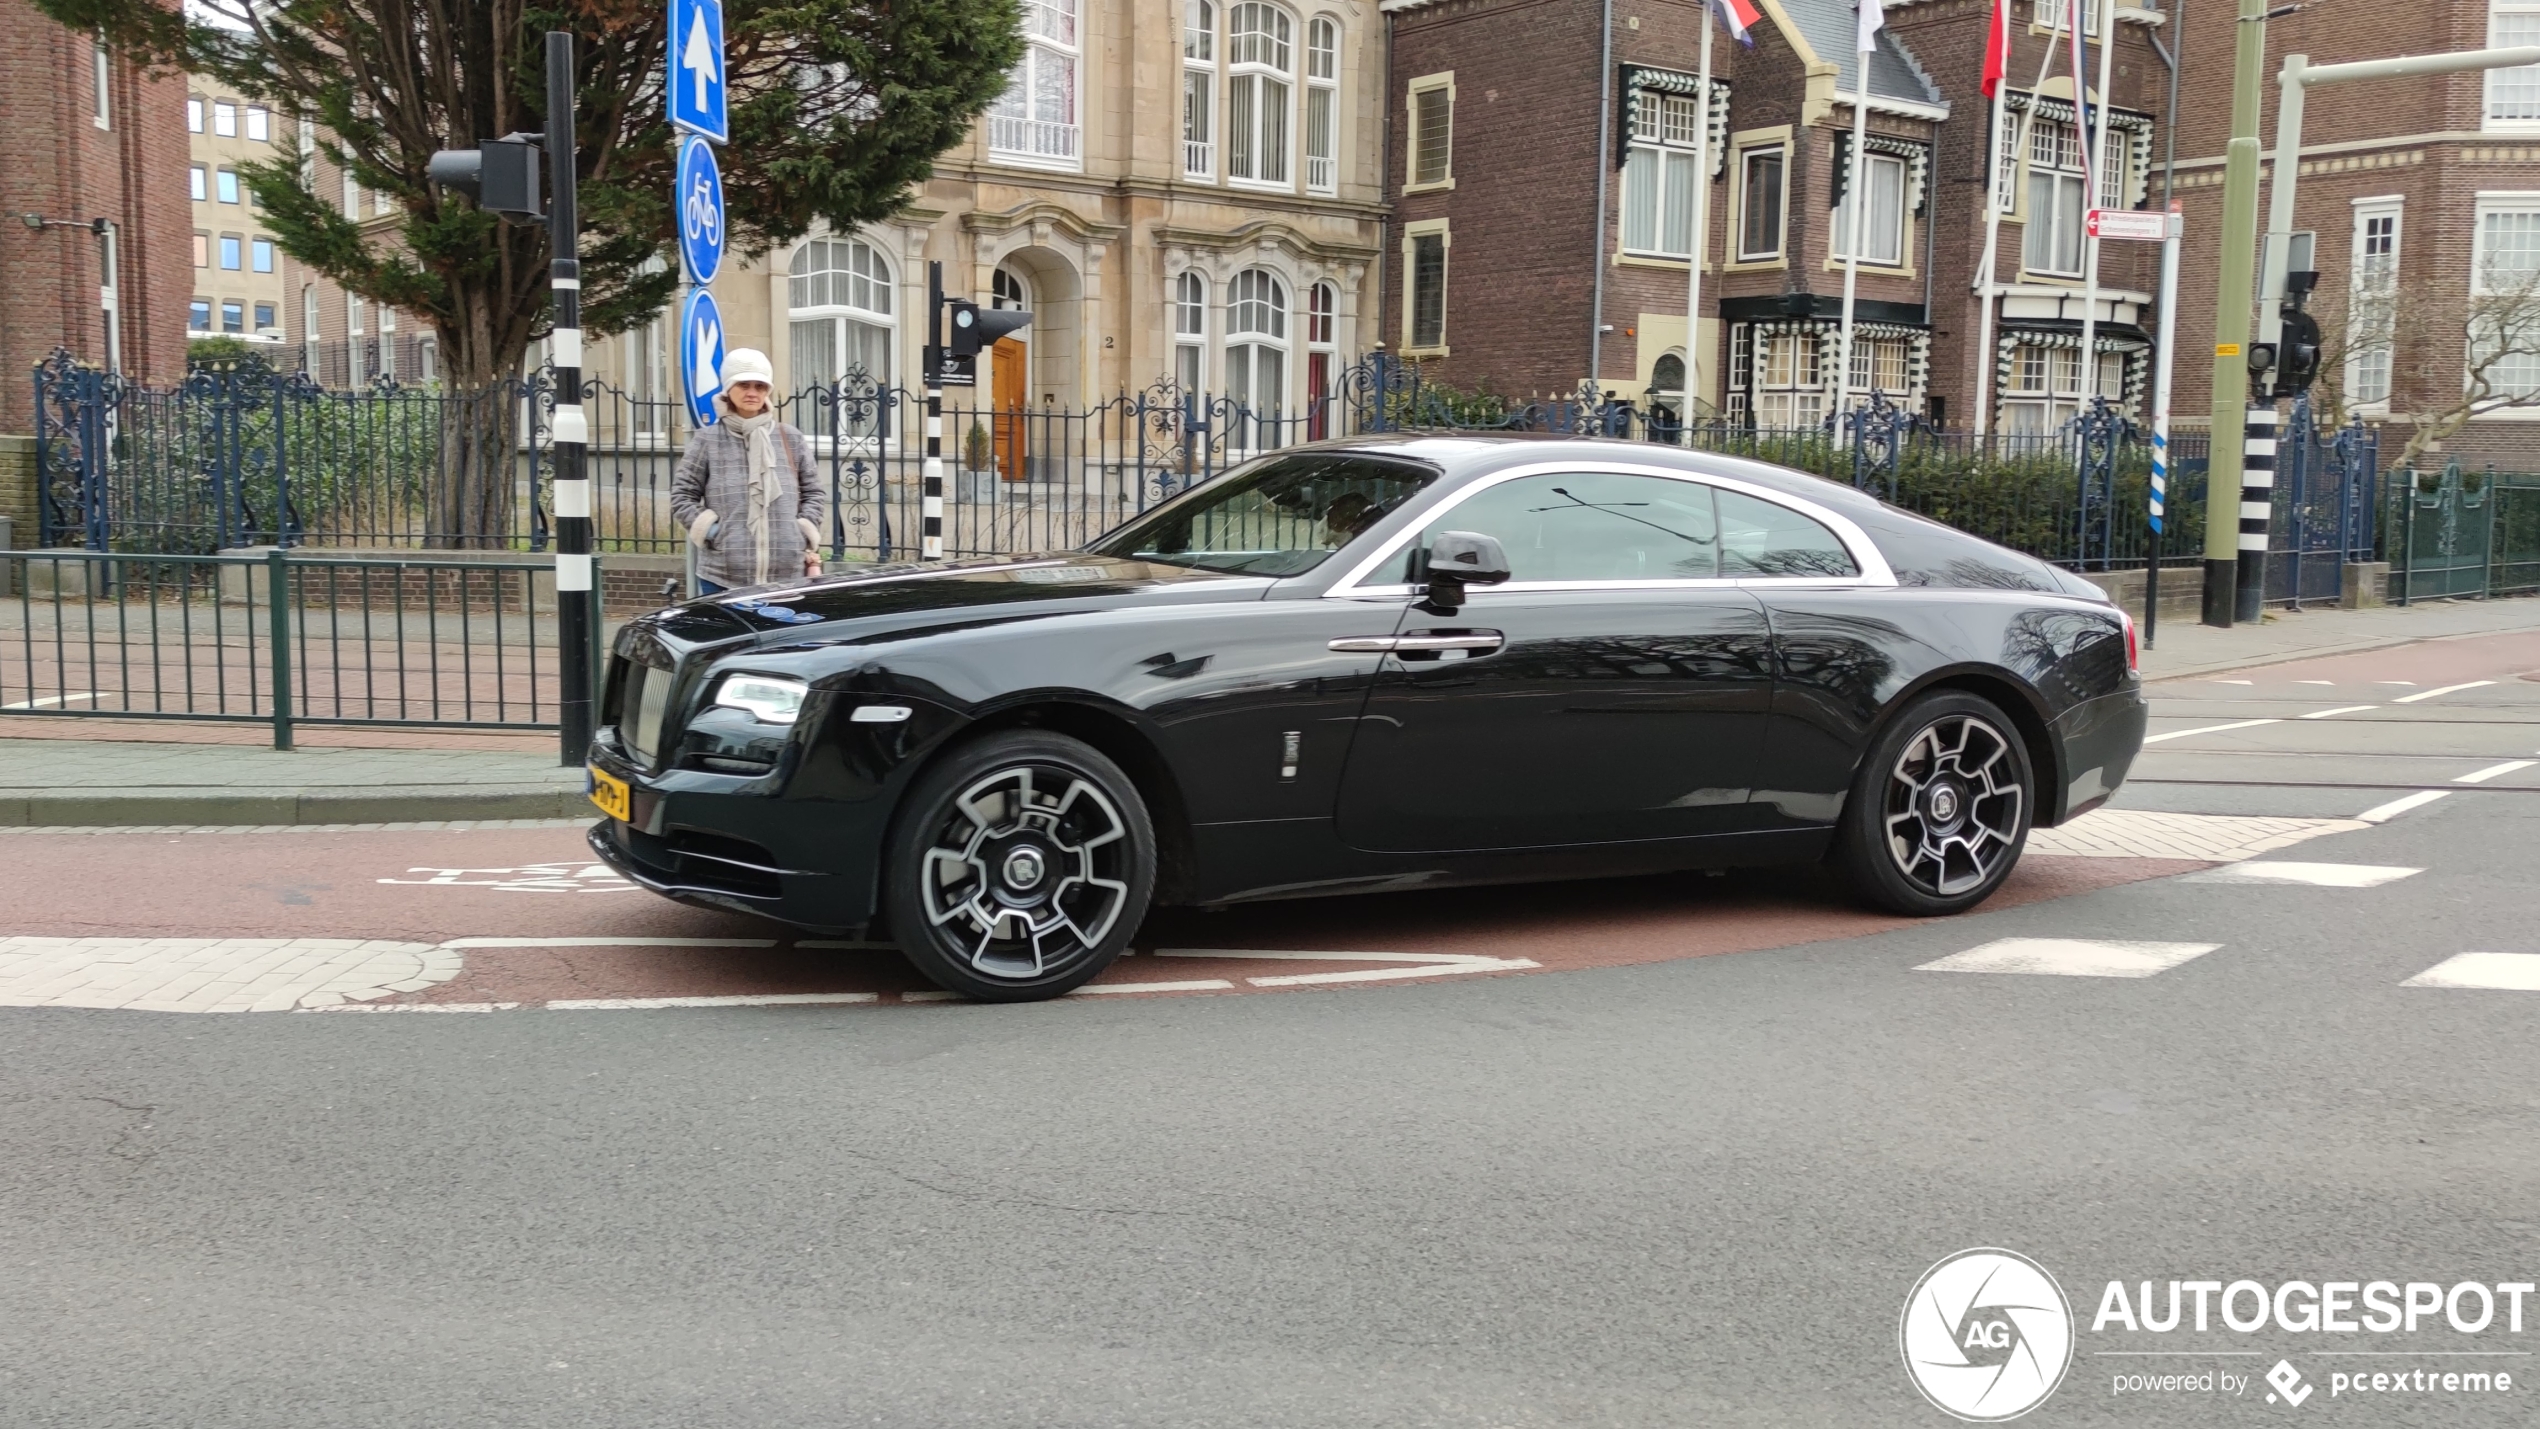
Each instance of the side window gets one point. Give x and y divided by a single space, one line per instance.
1592 526
1759 538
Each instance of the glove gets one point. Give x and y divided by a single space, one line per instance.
701 529
811 533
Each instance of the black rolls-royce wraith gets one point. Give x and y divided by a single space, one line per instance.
1380 664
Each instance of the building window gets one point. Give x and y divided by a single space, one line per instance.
1879 364
1883 222
1780 373
2054 200
202 250
264 316
194 114
1432 132
229 251
233 315
1257 350
1322 105
2504 287
309 328
1666 398
2513 95
1424 296
840 302
224 119
2044 391
1659 174
388 343
225 185
1199 89
101 75
352 196
1322 325
1760 193
2006 175
2053 15
353 364
199 179
1190 330
2372 313
1035 119
260 256
199 315
1259 58
259 124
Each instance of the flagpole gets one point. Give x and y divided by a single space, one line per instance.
2019 148
1992 220
2095 159
1701 235
1852 195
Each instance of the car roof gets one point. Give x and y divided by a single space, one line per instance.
1462 454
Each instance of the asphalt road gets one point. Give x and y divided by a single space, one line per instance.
1657 1189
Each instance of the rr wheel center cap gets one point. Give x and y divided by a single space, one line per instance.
1946 803
1024 869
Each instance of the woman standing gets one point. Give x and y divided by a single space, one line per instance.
746 488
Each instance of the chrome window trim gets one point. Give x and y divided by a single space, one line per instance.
1875 571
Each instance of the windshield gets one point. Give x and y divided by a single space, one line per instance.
1280 517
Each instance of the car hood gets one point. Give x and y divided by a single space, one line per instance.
965 592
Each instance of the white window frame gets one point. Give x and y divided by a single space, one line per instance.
225 118
1747 154
258 124
2039 408
1018 134
1663 153
1322 127
845 298
309 328
102 78
199 178
2372 296
1199 89
1785 378
232 246
227 187
1865 553
2511 102
1412 233
1190 330
194 118
2060 143
352 341
1439 86
260 246
1261 88
2493 205
1875 169
1263 296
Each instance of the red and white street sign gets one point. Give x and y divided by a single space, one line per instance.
2139 225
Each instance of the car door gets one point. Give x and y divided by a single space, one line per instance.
1616 688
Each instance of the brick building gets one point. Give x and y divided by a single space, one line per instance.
2425 196
1508 277
91 137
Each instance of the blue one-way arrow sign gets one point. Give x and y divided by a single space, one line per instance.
696 69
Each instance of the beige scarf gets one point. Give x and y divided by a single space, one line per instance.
759 433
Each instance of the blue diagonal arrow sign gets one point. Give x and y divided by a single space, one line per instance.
696 69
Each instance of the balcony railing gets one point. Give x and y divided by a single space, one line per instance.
1039 140
1321 172
1199 159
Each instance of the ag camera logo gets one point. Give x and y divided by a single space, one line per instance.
1986 1335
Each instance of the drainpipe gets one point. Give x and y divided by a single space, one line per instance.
1604 167
1384 190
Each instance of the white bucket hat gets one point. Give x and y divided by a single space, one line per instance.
747 364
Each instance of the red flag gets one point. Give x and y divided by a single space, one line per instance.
1739 18
1997 47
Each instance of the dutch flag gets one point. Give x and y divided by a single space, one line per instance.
1737 16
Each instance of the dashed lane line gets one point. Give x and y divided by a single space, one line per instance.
2070 957
2481 776
2209 729
2441 690
2314 875
2497 972
2384 813
2342 709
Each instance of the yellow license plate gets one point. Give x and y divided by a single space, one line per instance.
610 793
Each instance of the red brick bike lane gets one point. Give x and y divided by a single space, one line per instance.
536 920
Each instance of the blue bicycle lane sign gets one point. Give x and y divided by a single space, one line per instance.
700 202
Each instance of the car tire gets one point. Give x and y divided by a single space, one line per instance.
1941 808
1018 867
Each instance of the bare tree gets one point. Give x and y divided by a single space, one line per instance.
2500 343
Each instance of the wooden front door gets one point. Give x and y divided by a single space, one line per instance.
1007 399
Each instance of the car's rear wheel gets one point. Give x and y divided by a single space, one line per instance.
1019 867
1941 809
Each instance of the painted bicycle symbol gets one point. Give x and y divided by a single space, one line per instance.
702 214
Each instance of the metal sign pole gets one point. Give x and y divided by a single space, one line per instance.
577 621
2161 361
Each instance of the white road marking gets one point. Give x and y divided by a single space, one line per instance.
2500 972
645 1004
50 700
610 942
2070 957
2212 838
2440 690
2317 875
2384 813
414 1007
2395 682
1412 965
2341 709
561 876
2231 682
2492 770
1210 984
2210 729
2315 682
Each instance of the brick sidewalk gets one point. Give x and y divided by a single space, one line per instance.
129 782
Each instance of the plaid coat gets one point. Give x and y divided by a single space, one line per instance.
714 475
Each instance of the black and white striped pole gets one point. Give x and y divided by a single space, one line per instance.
2257 505
930 513
576 619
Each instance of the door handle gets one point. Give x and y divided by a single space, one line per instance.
1363 644
1474 640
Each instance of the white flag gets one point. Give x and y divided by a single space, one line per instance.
1873 18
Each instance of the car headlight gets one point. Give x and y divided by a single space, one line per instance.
771 699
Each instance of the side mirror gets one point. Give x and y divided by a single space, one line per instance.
1461 558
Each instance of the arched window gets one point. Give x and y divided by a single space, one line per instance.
1190 330
1322 304
1035 119
1257 347
1009 289
839 295
1666 393
1260 56
1199 89
1322 104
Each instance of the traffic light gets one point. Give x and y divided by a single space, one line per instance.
976 329
2298 348
500 174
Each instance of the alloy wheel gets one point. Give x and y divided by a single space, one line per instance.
1954 805
1028 873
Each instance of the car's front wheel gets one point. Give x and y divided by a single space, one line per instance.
1941 809
1019 867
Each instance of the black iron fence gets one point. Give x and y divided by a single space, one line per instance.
241 456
